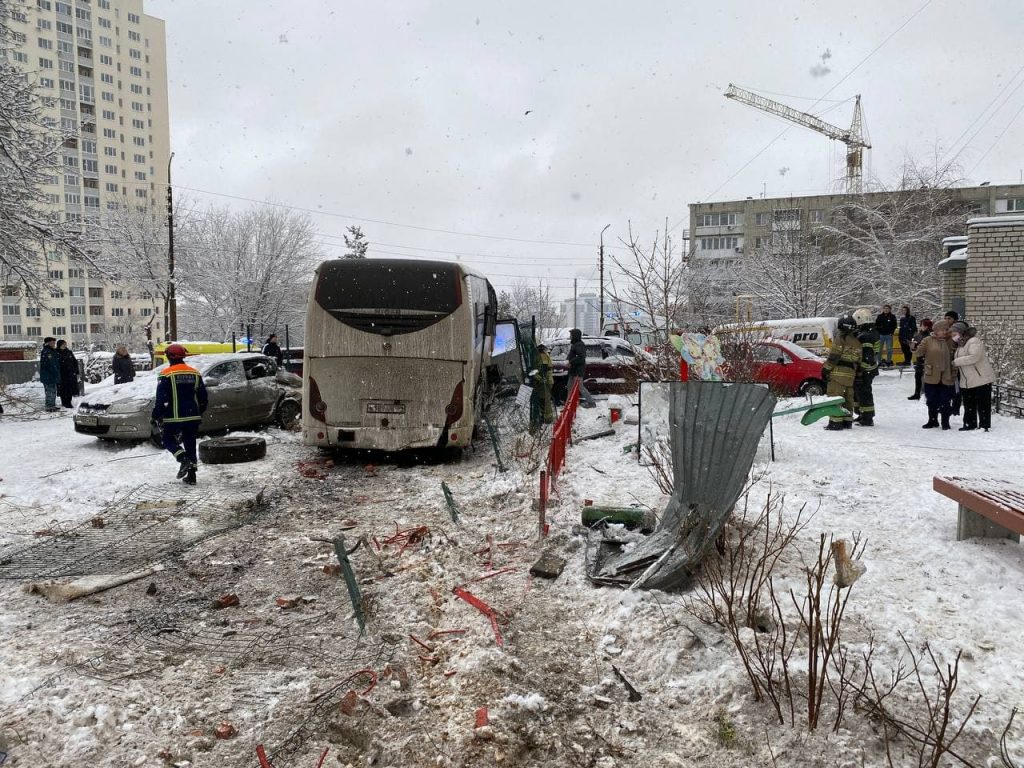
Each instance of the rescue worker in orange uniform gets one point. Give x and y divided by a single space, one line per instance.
180 402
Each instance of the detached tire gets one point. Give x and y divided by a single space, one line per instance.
232 450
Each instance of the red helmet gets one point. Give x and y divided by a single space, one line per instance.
176 351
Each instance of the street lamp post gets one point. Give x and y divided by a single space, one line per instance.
600 301
171 322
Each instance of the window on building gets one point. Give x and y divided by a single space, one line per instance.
45 44
107 60
12 330
716 220
103 22
786 215
108 114
76 290
78 328
55 274
70 180
11 310
140 175
76 272
146 311
761 219
110 152
817 215
89 146
46 82
117 312
33 331
719 243
106 42
112 170
91 166
72 198
44 5
1015 204
45 63
60 330
57 312
83 14
44 24
133 18
104 4
140 193
64 8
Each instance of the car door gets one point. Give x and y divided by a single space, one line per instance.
228 391
769 370
263 392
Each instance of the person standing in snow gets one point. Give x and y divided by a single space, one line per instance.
923 333
577 360
976 376
868 336
907 329
273 349
885 324
180 402
49 372
840 369
68 387
544 379
938 379
122 365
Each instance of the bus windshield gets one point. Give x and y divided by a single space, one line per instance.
392 297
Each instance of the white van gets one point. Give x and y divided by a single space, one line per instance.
812 333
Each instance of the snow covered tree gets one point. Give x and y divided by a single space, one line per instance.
894 242
30 157
238 268
651 279
356 243
793 274
526 302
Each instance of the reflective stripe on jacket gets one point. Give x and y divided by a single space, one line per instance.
844 358
180 394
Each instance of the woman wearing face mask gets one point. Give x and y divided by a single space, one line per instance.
976 377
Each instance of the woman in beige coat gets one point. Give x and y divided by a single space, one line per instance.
976 377
938 379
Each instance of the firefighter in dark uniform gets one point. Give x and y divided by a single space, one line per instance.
870 340
840 369
180 402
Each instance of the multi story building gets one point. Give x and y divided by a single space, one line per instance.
720 232
100 67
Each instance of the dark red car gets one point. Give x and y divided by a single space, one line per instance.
789 369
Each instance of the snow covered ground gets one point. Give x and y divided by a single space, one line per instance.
127 678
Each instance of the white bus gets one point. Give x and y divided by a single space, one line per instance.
396 354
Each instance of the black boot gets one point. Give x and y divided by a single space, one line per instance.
190 476
933 420
915 396
847 425
834 426
864 420
945 420
183 468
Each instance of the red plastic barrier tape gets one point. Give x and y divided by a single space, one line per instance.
484 608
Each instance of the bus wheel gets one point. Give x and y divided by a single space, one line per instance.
288 413
232 449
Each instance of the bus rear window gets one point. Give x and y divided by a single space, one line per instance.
388 297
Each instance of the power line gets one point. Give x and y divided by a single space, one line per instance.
835 85
989 118
997 138
335 214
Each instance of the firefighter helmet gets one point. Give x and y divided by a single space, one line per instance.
847 323
176 351
863 316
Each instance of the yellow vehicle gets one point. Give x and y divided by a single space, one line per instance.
198 348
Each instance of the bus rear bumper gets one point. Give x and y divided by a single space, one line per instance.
362 438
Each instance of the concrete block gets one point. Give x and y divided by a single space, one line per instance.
971 525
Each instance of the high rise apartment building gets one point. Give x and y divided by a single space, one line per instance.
101 68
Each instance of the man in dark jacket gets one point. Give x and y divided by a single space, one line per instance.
273 349
49 372
122 365
68 387
908 327
885 324
577 360
180 402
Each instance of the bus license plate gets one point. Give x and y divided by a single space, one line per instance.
385 407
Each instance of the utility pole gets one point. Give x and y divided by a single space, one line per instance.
600 265
172 299
575 324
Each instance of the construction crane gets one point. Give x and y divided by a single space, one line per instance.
852 137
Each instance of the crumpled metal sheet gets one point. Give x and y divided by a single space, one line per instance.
714 431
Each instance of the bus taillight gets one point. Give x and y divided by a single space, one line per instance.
317 407
454 408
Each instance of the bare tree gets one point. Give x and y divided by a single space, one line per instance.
791 274
526 302
29 158
244 267
893 241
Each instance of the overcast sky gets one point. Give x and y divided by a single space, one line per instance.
548 120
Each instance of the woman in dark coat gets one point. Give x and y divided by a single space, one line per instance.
124 369
68 387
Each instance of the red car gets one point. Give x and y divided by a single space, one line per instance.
790 370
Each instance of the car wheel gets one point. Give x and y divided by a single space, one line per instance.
288 413
812 388
232 449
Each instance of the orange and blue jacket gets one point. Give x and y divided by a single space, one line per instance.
180 394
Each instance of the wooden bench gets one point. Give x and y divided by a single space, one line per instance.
989 508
